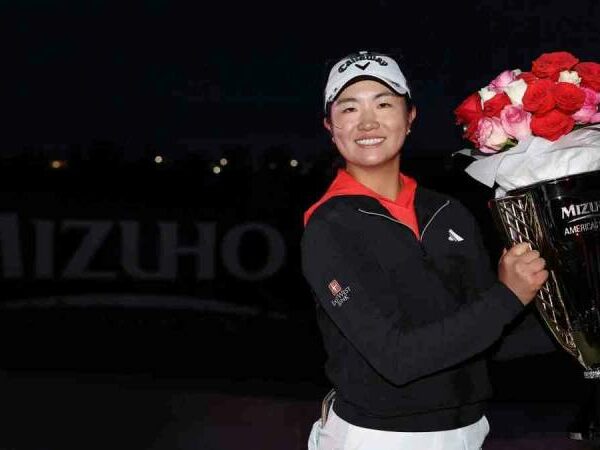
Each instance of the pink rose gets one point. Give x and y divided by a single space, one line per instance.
502 80
589 108
516 121
490 135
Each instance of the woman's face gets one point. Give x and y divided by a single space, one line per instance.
369 124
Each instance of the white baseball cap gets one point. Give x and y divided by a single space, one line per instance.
365 64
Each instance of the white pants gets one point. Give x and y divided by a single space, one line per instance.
337 434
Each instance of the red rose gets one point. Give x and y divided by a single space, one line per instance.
538 97
551 125
590 74
471 132
549 65
469 110
527 77
569 98
494 105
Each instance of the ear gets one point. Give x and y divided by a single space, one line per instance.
411 116
327 125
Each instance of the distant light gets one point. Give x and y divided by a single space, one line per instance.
294 163
216 170
223 161
158 159
58 164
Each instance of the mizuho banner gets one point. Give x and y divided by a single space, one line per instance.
71 248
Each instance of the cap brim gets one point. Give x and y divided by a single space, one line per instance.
384 81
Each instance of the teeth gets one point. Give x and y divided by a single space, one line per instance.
371 141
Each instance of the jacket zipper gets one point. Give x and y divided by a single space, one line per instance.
437 211
433 217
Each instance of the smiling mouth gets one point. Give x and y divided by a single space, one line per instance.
370 141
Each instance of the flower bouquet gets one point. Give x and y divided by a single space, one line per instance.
534 125
537 141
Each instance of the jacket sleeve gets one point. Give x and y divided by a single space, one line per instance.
397 350
527 335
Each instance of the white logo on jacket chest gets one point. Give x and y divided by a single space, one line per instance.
454 236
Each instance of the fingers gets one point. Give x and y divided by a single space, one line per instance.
519 249
534 273
530 263
522 252
529 257
540 277
536 264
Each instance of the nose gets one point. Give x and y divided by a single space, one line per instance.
368 120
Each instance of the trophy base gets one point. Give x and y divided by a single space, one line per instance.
590 436
586 423
592 374
586 430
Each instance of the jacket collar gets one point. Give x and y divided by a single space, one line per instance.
345 185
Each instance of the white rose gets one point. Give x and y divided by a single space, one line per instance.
569 76
515 91
485 94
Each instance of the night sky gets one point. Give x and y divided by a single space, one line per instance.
159 73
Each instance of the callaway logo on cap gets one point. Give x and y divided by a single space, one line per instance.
368 65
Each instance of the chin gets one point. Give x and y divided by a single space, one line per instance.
372 164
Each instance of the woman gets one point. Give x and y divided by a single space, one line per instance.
406 303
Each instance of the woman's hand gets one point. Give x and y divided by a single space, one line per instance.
523 271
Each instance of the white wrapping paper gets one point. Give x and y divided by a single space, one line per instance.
536 159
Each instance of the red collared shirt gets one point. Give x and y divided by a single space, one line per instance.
402 208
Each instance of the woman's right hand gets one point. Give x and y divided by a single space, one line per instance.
523 271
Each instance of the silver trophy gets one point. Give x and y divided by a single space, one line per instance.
561 219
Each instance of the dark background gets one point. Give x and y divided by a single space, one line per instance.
106 86
151 75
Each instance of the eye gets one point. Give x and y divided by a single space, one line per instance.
385 105
348 109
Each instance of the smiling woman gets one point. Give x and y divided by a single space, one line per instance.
369 114
407 304
369 123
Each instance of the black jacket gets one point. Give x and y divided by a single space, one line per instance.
405 322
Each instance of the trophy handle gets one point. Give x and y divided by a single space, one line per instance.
518 221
